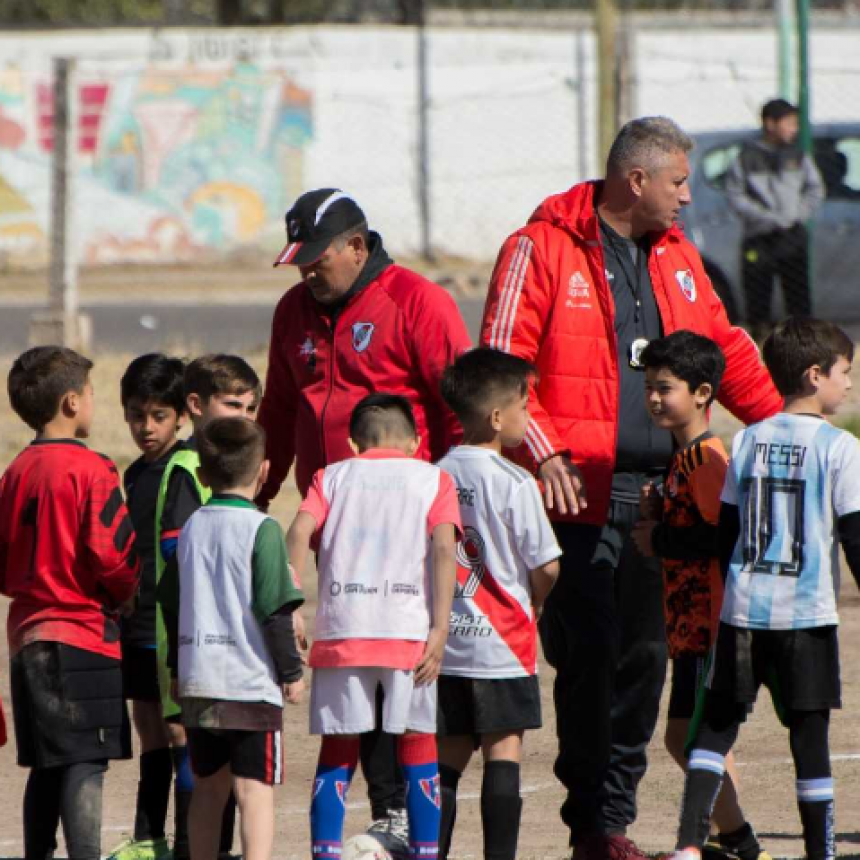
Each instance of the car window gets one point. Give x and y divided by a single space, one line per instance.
716 163
838 161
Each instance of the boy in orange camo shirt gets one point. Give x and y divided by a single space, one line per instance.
682 375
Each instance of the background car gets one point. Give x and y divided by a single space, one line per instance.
713 226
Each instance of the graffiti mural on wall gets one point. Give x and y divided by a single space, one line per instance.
175 164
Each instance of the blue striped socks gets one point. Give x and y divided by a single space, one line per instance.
705 771
815 802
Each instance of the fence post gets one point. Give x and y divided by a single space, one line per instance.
423 97
606 24
61 323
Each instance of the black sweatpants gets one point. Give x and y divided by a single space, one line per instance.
386 788
603 631
783 253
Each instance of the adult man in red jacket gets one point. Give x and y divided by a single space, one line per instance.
597 272
356 323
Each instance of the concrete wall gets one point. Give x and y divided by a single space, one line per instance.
194 142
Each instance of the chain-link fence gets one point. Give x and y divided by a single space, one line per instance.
194 141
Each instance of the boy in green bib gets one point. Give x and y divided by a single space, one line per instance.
215 386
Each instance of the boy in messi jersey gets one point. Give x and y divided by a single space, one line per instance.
682 375
507 562
792 494
67 560
385 524
232 607
214 386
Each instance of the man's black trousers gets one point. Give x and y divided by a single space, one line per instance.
783 253
603 631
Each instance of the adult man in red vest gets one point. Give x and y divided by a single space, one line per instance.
596 273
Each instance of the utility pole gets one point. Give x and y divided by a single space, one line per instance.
803 95
785 22
423 97
606 24
62 324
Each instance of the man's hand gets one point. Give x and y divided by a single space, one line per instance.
301 636
650 502
641 536
295 691
563 486
427 670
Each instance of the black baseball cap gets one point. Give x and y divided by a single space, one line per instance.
316 218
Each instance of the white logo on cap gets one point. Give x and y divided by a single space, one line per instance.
323 207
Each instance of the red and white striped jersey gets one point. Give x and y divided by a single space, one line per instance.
506 534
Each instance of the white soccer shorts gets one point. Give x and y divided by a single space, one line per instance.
343 701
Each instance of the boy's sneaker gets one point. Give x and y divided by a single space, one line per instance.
392 832
600 846
682 854
743 844
143 849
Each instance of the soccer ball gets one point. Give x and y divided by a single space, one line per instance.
364 847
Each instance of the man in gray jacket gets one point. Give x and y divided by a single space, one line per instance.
775 188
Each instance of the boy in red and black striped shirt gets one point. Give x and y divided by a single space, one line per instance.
67 561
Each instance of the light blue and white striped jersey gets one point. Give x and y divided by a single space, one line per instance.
792 477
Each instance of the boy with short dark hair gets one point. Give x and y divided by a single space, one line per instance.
382 618
67 561
792 493
682 375
154 407
215 385
507 562
235 644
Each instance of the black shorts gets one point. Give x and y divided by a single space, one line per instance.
68 707
688 674
140 674
482 706
252 755
799 667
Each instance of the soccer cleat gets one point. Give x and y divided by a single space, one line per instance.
742 845
392 832
142 849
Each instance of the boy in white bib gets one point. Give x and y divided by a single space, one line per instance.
385 526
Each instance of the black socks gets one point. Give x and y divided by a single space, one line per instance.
153 794
448 781
501 807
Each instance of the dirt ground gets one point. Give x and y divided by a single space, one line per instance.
767 776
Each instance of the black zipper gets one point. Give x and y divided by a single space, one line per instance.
330 389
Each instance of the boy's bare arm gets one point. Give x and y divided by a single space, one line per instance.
542 579
849 537
299 541
444 578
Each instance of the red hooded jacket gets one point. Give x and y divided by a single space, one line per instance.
396 335
550 302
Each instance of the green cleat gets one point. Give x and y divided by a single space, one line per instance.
143 849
